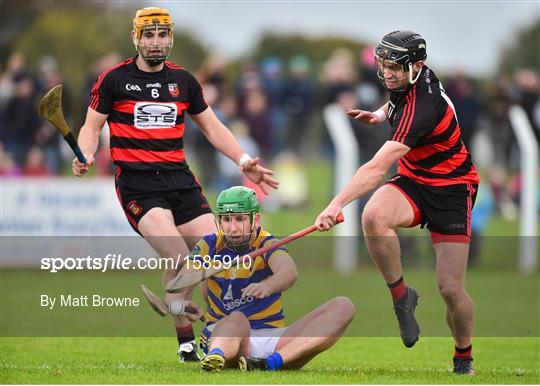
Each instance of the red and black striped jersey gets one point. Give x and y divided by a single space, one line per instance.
423 118
146 113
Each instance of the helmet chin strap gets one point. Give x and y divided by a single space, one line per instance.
411 80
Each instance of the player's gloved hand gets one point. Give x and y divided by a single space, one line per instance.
80 169
258 290
259 175
328 217
366 117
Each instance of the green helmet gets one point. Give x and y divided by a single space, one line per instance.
237 199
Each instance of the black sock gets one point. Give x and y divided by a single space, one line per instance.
463 353
185 334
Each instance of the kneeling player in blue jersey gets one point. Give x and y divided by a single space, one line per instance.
245 321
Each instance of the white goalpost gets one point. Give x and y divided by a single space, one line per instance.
345 246
528 145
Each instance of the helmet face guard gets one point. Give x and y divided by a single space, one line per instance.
239 243
237 200
156 20
402 48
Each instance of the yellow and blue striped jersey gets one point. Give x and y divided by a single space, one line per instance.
224 289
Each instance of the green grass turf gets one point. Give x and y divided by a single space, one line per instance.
506 302
352 360
506 345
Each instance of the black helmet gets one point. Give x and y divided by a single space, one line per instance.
402 47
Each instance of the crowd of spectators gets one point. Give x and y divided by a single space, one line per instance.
274 107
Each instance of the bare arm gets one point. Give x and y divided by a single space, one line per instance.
366 178
218 134
368 117
89 140
284 275
224 141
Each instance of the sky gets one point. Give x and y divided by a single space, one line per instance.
466 34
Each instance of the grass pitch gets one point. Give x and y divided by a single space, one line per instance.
370 353
86 346
352 360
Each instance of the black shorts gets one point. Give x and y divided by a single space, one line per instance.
177 190
446 210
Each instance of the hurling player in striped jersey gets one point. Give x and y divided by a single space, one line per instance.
145 100
245 320
435 187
